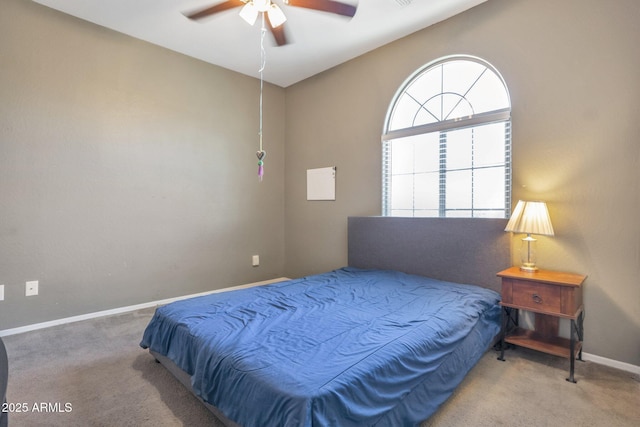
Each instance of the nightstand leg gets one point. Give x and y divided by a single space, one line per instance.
509 320
580 332
572 352
503 332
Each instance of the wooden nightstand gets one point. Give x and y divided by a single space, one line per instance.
551 295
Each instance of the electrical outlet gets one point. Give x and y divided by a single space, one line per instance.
31 288
255 260
1 292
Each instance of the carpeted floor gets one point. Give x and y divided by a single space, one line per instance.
93 373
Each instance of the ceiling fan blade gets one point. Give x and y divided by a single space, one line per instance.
326 6
278 33
203 13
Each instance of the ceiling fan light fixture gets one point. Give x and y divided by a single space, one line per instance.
249 13
262 5
276 15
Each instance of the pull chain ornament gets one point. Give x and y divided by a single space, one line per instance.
260 154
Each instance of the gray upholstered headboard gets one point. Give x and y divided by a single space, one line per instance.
462 250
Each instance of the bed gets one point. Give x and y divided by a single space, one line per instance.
379 342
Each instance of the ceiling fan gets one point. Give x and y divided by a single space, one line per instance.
275 16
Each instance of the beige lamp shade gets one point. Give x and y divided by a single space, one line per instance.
530 218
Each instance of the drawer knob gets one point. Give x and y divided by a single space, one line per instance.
537 299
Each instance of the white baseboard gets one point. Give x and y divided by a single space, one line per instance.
586 356
36 326
612 363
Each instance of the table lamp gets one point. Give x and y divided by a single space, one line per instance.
530 218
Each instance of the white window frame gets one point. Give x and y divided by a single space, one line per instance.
484 118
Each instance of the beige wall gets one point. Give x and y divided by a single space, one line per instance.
127 171
572 71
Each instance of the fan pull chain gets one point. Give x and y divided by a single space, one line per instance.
263 61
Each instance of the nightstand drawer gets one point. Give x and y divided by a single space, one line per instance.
537 296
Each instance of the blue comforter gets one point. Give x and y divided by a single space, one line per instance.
346 348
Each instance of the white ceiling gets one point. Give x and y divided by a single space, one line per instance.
317 40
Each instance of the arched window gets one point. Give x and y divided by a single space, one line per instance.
446 143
